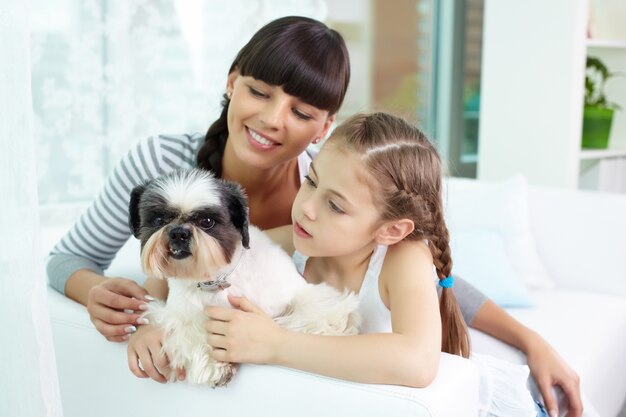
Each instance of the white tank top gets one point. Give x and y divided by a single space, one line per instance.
376 316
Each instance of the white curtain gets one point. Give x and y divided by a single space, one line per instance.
107 74
28 381
80 81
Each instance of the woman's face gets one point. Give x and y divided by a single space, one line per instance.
334 201
267 126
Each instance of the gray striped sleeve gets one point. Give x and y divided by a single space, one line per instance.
96 237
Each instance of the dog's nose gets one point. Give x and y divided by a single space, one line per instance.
179 234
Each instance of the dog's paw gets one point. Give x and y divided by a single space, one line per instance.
224 374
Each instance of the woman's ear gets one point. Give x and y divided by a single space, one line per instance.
394 231
230 81
327 125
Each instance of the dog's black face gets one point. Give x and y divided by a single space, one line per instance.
185 215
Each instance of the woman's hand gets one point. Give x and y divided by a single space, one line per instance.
549 369
244 334
145 355
115 306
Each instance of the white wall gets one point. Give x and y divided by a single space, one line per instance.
532 90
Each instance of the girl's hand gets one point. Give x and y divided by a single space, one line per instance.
244 334
145 357
549 369
108 303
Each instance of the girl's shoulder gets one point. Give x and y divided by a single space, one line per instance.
407 272
407 260
409 252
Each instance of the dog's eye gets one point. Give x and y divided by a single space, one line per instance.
206 223
158 221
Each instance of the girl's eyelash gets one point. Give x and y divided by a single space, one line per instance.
334 207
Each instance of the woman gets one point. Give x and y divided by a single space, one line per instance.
283 91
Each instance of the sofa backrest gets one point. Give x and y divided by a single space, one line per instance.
581 237
578 236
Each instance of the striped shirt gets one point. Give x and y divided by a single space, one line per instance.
96 237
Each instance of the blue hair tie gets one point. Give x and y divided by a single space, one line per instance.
447 282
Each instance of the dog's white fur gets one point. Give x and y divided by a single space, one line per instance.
266 276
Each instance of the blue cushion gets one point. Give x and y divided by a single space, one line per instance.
479 257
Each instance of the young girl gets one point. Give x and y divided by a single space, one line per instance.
376 182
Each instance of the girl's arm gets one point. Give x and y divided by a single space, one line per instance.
407 356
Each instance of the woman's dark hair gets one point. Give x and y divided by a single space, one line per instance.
303 56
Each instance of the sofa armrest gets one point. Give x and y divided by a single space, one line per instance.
581 238
95 381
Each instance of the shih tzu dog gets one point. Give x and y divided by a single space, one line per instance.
194 232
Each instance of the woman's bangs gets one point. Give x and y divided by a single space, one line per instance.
310 76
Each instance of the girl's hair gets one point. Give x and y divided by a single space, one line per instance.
303 56
407 171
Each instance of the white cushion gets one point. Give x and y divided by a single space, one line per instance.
480 257
583 234
500 206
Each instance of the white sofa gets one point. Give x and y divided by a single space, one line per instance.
581 239
95 381
576 240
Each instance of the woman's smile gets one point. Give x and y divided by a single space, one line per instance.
259 141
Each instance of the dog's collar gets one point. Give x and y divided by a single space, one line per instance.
220 283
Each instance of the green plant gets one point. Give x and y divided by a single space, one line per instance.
596 77
598 112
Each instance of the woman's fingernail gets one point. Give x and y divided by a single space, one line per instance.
130 329
143 307
126 337
554 413
143 320
149 298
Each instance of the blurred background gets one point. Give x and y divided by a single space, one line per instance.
106 74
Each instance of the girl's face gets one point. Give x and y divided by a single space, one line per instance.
334 212
267 126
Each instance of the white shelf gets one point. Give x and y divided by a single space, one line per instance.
605 44
602 153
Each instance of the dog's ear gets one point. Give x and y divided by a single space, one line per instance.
237 203
134 221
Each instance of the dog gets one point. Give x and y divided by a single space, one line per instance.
194 232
